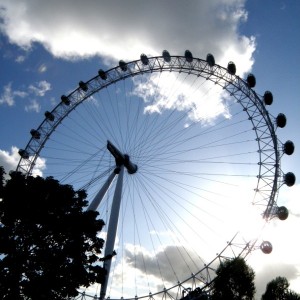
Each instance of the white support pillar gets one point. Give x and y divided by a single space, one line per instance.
98 198
112 230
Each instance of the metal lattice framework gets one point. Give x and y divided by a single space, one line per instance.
270 176
270 149
199 282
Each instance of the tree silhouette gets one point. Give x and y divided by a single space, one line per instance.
49 245
278 289
2 174
234 281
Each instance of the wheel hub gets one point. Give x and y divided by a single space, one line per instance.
122 159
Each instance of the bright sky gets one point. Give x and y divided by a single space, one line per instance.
47 47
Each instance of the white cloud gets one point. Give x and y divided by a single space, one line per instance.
144 266
20 59
21 94
33 106
204 103
40 165
177 254
8 95
42 68
125 29
40 88
10 159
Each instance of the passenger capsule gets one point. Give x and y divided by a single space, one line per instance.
281 120
282 213
268 98
102 74
65 100
288 147
210 60
144 59
266 247
83 86
49 116
231 68
23 153
35 134
289 179
166 56
251 80
188 56
123 65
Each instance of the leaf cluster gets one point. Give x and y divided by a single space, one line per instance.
278 289
235 281
49 244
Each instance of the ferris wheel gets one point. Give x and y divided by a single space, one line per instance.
181 158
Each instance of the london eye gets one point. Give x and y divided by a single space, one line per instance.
181 158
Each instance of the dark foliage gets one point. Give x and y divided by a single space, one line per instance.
278 289
234 281
2 174
49 245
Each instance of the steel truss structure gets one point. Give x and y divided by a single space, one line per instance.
270 149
